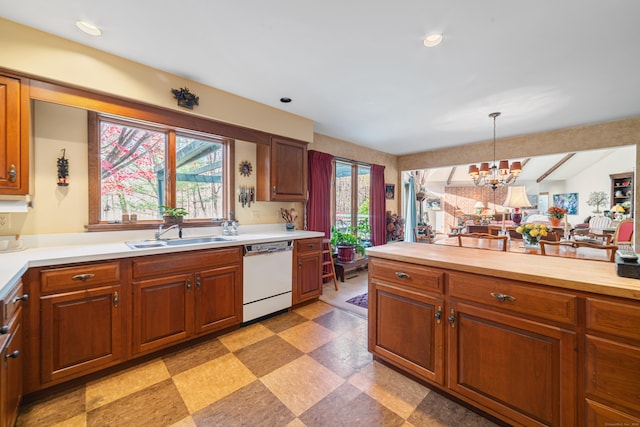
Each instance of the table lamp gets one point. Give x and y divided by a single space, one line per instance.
516 199
479 206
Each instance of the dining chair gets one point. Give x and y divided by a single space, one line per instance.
422 233
623 235
611 249
473 241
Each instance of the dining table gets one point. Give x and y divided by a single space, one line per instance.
518 246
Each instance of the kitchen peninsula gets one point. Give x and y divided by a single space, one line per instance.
531 340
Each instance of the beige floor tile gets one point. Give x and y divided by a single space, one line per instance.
307 336
313 310
392 389
296 423
114 387
77 421
301 383
211 381
245 336
185 422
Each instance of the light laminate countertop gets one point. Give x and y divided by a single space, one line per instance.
576 274
83 247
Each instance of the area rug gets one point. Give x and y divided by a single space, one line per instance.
359 300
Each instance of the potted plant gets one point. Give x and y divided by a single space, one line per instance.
173 215
555 215
346 243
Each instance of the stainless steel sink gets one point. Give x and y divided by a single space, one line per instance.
148 244
196 240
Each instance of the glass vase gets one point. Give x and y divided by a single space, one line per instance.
531 241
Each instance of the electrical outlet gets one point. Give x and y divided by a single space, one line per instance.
5 221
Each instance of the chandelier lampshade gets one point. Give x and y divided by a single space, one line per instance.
495 176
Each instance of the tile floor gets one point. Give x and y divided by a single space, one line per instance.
307 367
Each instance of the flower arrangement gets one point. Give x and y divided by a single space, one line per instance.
532 233
289 215
556 212
185 98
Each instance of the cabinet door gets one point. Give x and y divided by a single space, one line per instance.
308 282
281 170
11 372
522 369
408 329
162 312
14 138
81 332
218 301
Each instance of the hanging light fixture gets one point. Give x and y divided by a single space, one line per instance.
494 176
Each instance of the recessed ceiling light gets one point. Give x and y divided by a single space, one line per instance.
433 40
88 28
285 99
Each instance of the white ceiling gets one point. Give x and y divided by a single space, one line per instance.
537 167
358 68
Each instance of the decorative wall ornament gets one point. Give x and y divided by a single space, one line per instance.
185 98
245 168
63 170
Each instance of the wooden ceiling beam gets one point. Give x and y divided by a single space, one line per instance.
554 167
453 170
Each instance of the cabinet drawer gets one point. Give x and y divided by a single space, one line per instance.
616 318
515 296
61 279
13 301
190 261
309 245
402 273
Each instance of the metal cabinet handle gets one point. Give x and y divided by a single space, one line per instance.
438 315
198 282
116 299
83 277
24 298
188 284
4 330
452 318
502 297
12 355
402 275
13 173
274 189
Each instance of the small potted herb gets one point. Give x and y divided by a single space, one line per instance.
173 215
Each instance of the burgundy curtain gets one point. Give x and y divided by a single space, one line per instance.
319 185
378 207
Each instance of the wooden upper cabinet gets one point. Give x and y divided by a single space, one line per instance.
281 170
14 135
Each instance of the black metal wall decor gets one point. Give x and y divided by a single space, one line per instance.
185 98
63 169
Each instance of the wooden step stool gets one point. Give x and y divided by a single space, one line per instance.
327 260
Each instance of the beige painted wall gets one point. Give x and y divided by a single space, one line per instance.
65 209
30 51
348 150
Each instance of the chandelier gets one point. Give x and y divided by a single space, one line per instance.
494 176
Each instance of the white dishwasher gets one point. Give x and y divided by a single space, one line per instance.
267 278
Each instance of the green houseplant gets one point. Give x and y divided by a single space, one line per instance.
173 214
346 243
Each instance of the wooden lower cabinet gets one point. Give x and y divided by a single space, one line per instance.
162 310
612 362
408 330
173 302
11 371
307 270
81 332
521 369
